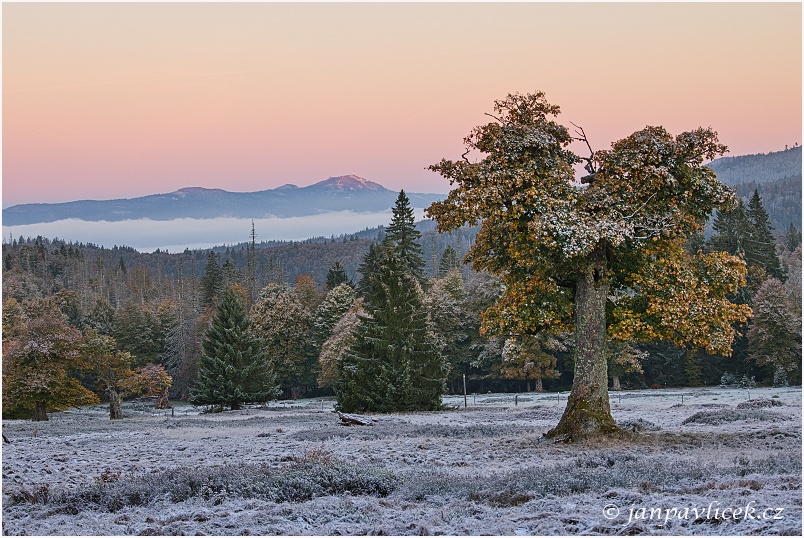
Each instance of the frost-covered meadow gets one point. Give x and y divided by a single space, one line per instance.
292 469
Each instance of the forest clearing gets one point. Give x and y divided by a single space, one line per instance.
291 468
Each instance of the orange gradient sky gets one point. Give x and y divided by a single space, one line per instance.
121 100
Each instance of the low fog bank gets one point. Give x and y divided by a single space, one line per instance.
176 235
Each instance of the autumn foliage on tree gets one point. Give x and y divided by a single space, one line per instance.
154 381
531 358
110 368
600 256
40 360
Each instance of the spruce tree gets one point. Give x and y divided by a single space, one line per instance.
393 364
212 281
336 275
233 368
449 261
731 230
792 238
369 266
761 245
403 237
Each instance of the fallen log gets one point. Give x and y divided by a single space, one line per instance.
354 420
5 439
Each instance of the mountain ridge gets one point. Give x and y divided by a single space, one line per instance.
336 193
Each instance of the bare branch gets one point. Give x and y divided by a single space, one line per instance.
493 116
465 153
590 166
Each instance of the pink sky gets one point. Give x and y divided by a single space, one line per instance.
122 100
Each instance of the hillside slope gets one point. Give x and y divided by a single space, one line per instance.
777 176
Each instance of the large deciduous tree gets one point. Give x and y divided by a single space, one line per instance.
39 363
110 368
284 324
601 254
531 358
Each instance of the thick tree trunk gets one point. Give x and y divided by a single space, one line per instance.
615 383
588 412
235 406
115 405
39 411
539 386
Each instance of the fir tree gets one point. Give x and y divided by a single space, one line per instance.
393 364
233 368
761 246
731 230
792 238
336 275
369 266
403 237
449 261
212 281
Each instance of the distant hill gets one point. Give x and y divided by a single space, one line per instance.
777 176
339 193
759 168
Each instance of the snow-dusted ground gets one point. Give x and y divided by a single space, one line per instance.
475 471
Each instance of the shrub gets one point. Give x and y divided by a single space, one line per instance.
638 425
311 477
716 417
759 403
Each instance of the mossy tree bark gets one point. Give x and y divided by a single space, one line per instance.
588 412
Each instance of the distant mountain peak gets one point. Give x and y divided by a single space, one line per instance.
287 186
349 182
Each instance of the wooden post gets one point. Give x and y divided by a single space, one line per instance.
464 391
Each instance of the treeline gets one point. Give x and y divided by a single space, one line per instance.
156 310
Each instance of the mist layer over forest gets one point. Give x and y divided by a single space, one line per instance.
147 235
